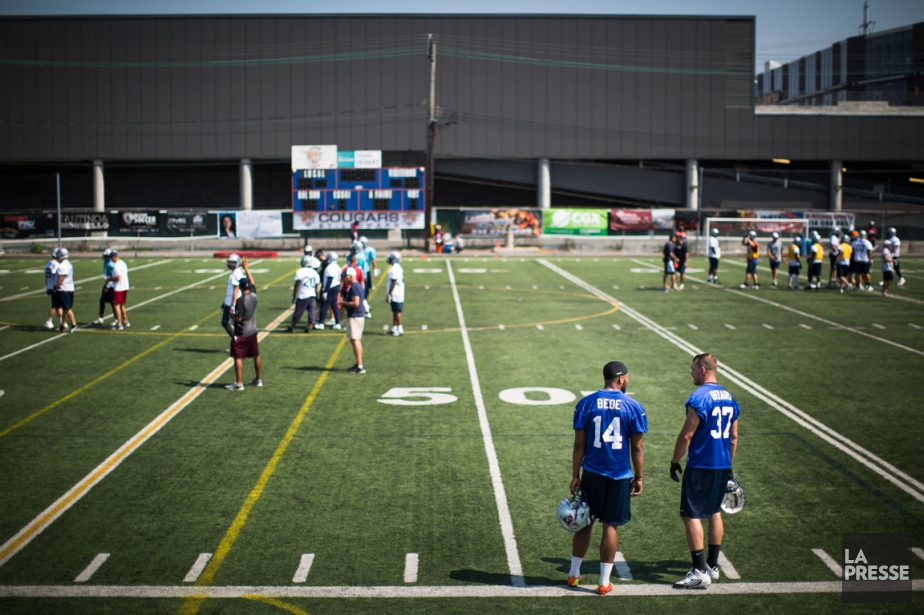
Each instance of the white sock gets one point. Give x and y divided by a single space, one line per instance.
605 571
575 566
400 328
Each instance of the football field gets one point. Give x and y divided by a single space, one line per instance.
133 482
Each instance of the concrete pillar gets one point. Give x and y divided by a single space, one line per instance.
246 184
544 185
837 181
99 187
691 200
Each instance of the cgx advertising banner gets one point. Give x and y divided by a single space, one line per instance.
587 222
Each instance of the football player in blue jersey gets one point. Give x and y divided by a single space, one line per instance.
710 438
608 428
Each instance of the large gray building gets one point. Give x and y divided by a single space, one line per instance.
174 111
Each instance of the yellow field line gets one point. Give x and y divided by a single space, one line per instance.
285 606
96 381
191 605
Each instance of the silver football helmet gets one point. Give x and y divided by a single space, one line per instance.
394 257
573 514
332 257
714 232
733 501
775 235
891 232
62 254
309 250
364 240
234 261
306 260
752 234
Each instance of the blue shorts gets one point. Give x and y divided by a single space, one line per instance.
397 307
794 269
63 299
752 266
842 270
681 268
608 499
863 267
714 263
815 270
702 492
774 265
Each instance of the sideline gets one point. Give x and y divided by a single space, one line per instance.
878 465
500 495
35 527
435 591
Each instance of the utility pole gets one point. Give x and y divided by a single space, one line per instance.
867 26
431 142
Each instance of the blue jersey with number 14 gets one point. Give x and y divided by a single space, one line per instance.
609 419
710 447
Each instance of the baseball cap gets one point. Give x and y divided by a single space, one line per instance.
613 370
349 272
244 284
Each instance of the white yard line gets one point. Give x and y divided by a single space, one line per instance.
751 295
88 572
411 561
918 551
622 567
197 568
727 567
38 525
829 562
413 591
900 479
500 495
304 567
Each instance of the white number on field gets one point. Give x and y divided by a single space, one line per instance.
551 396
428 396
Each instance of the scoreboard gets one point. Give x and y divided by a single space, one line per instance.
394 189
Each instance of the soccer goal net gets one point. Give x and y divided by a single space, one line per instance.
732 232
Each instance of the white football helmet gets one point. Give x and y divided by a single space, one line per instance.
54 253
733 501
891 232
332 257
573 514
775 235
752 234
714 232
306 260
234 261
364 241
309 250
62 254
394 257
106 253
862 234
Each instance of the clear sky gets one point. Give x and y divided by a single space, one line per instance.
786 29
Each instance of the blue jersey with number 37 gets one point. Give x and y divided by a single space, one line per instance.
609 419
710 447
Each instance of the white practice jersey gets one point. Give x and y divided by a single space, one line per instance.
233 280
332 272
309 279
51 274
715 251
896 247
834 243
121 270
887 260
66 269
861 250
396 274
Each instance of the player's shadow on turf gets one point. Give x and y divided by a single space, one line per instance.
494 578
664 571
310 368
203 350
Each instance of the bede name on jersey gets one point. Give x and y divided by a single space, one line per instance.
871 572
604 403
720 395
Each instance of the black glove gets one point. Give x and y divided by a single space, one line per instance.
675 470
48 291
731 474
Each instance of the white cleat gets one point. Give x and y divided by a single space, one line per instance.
713 572
695 579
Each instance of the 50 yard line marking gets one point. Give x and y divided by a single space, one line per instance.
878 465
500 495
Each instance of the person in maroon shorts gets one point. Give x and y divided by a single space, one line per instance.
244 341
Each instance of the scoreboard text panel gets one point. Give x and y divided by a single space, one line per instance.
387 189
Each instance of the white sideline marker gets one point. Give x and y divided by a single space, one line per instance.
423 327
616 287
914 326
410 568
732 327
579 327
766 326
304 567
155 327
694 327
617 327
622 568
158 287
727 567
501 327
878 326
194 327
535 287
98 561
804 326
540 327
918 551
201 562
829 562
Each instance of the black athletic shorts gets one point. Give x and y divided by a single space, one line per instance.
608 499
702 492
